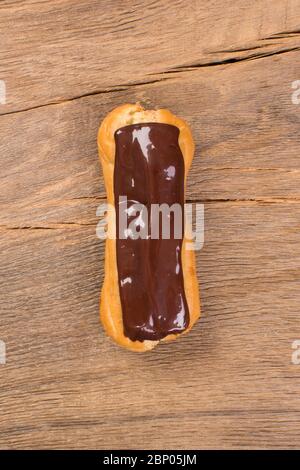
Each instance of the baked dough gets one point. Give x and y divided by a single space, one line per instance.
110 303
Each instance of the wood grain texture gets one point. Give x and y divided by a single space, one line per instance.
230 382
52 51
242 117
226 68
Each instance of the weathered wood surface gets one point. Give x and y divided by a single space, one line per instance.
230 383
62 49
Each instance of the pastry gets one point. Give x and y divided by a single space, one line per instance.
150 291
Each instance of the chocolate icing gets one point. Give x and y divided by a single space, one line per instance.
149 169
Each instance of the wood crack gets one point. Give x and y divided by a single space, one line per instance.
252 53
232 201
118 88
54 226
230 60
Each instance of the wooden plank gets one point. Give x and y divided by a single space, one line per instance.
64 48
227 68
246 148
230 383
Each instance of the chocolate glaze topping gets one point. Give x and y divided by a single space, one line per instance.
149 169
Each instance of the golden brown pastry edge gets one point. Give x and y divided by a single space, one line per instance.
110 304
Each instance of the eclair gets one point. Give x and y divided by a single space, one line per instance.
150 291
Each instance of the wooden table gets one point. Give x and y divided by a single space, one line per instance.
227 68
